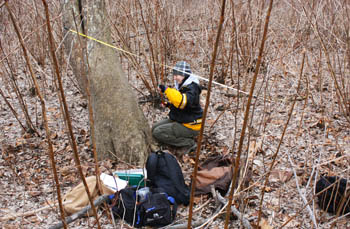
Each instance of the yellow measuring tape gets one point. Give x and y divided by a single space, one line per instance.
101 42
122 50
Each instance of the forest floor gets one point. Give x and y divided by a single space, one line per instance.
316 142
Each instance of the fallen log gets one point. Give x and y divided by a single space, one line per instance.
100 200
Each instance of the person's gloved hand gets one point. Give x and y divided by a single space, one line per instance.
162 88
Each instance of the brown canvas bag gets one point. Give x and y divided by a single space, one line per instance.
77 198
215 171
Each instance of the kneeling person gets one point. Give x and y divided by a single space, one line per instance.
185 116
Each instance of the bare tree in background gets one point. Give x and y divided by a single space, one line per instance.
121 129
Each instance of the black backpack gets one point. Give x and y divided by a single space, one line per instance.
125 207
163 171
157 210
331 197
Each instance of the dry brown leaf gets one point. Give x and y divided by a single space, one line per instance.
264 224
35 193
254 148
278 175
52 109
328 142
53 135
252 151
66 170
10 226
192 161
27 135
185 158
277 121
20 141
210 122
197 199
225 150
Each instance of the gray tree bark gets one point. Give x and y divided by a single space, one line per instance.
73 48
121 129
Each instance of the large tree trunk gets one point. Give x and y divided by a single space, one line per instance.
121 130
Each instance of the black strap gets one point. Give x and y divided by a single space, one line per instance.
173 211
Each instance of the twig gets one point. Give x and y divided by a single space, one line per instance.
312 214
234 210
184 225
280 143
66 111
91 114
199 141
215 215
13 83
129 54
100 200
13 110
152 76
212 189
336 219
221 200
169 31
120 160
217 212
246 116
43 109
176 224
194 211
339 92
217 118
